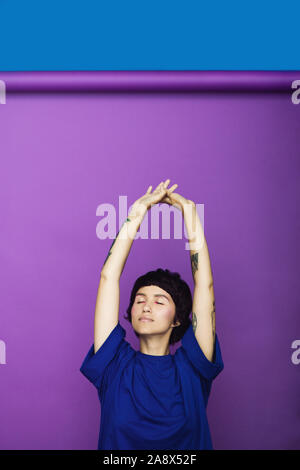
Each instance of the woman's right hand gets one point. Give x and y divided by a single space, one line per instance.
149 199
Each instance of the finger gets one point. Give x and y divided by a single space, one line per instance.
172 188
162 188
166 183
177 197
158 186
149 190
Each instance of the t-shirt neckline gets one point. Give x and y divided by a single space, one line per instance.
151 357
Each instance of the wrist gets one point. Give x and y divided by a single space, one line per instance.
137 211
189 209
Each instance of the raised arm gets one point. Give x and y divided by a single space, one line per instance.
203 300
203 309
108 297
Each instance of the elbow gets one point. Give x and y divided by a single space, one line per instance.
103 275
109 275
204 284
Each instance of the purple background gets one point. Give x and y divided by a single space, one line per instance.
62 155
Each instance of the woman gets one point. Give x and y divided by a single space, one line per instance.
149 398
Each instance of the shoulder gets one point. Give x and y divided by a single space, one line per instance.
191 353
114 350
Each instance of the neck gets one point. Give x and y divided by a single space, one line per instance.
153 347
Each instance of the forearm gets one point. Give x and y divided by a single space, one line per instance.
115 261
199 255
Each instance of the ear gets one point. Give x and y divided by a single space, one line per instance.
176 324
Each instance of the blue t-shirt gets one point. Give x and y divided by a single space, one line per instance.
152 402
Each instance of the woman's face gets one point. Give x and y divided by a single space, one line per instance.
153 311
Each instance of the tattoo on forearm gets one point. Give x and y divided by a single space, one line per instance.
109 253
213 320
194 322
194 261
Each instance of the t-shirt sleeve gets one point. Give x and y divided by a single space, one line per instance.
208 369
95 365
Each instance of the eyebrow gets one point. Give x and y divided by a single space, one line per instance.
155 295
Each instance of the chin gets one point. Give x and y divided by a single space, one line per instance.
143 327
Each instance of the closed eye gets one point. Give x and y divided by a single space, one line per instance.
140 302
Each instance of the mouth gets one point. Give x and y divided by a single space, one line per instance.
145 319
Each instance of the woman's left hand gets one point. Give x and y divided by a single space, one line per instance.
178 201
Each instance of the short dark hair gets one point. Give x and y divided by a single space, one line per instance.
180 292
